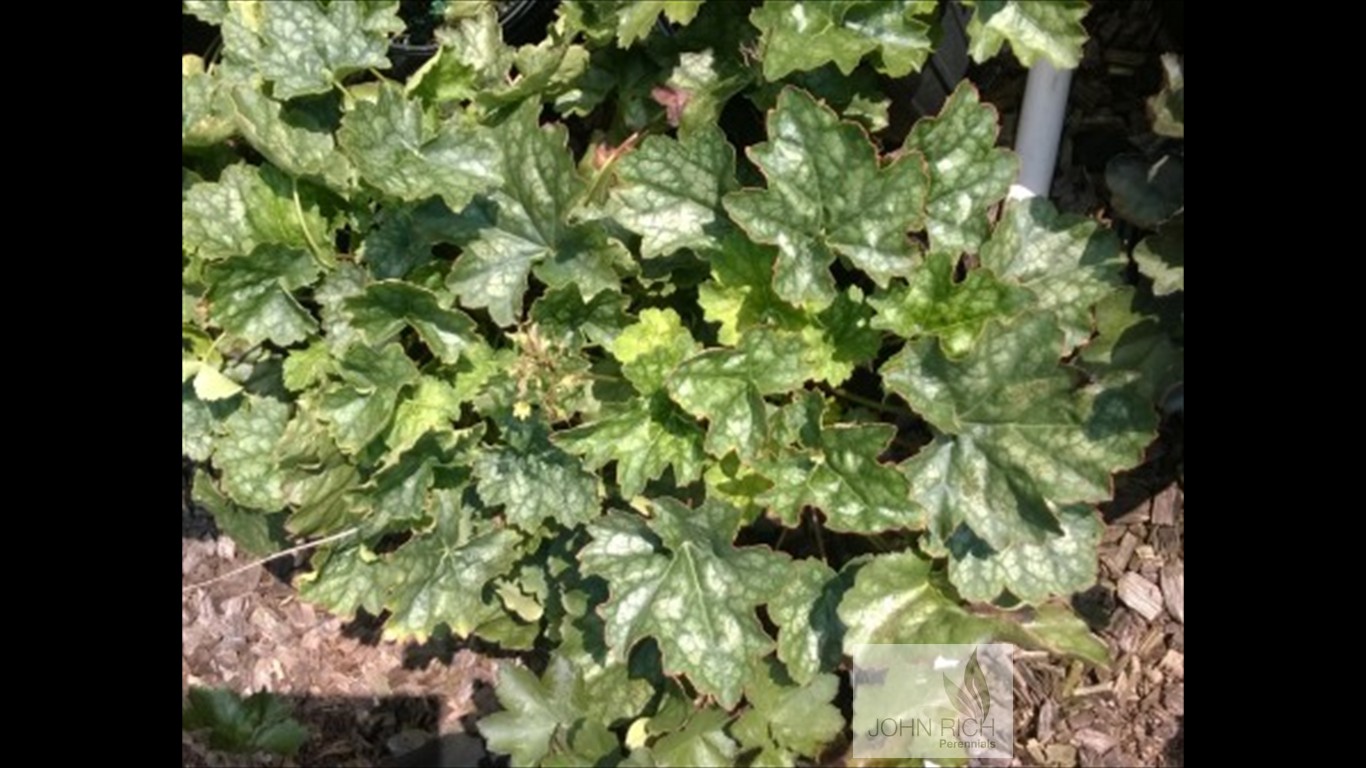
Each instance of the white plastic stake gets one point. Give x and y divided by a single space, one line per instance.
1036 140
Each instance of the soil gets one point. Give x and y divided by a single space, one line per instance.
366 701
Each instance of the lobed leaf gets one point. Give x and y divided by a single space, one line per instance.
398 151
682 582
895 599
933 303
1038 29
803 35
827 194
535 481
1019 437
968 172
1067 262
671 190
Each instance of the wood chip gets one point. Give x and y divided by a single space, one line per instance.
1061 755
1151 646
1174 664
1048 712
1164 506
1141 595
1174 589
1175 699
1118 560
1095 741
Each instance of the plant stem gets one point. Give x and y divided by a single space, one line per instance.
868 402
820 537
303 224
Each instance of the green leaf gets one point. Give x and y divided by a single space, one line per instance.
1059 566
652 348
342 283
670 191
1048 29
702 742
432 407
293 148
896 599
563 313
308 48
396 497
398 151
526 223
1144 193
202 119
439 577
809 629
322 499
536 481
682 582
638 18
1068 262
828 195
259 722
200 422
344 580
1162 256
1132 349
544 70
740 294
620 689
387 306
644 438
250 296
787 719
247 207
842 336
306 367
256 532
361 404
968 172
726 387
803 35
402 237
444 78
932 303
209 11
209 383
318 481
841 475
1020 437
534 711
245 453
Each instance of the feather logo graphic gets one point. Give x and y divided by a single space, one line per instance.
972 699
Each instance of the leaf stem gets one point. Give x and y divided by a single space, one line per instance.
303 224
820 537
868 402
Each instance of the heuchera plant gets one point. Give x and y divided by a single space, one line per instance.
568 371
